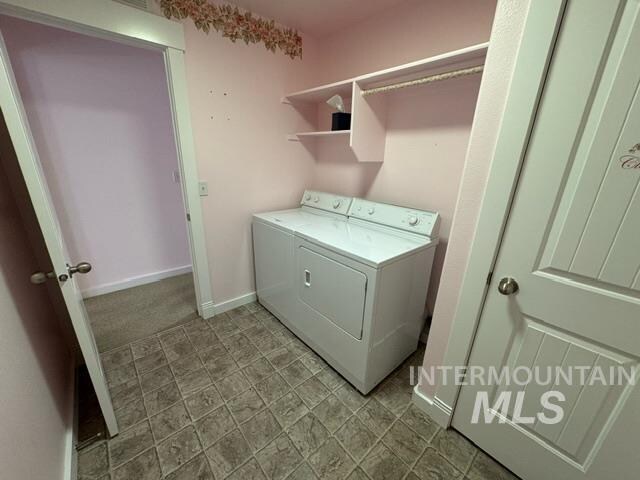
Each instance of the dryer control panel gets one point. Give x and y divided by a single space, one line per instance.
326 201
421 222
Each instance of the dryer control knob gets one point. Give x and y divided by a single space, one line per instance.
413 221
337 203
371 210
307 197
316 199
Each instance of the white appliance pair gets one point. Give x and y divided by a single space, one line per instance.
349 277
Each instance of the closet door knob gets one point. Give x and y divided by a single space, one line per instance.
508 286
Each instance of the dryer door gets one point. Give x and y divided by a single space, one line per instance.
333 289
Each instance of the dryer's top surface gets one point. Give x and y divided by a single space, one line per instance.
368 244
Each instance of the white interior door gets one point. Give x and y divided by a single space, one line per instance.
26 152
571 243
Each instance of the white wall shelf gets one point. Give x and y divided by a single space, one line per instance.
367 136
321 93
317 135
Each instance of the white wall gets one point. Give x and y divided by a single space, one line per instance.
101 119
35 364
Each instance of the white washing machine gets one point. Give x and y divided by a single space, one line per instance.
361 287
351 284
273 246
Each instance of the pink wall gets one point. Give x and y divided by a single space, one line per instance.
427 127
241 142
101 118
35 393
505 40
240 129
408 31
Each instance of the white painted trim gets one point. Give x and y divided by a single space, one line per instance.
135 281
208 310
177 82
533 57
434 407
71 437
235 302
101 18
211 309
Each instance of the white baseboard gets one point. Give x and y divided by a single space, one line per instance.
434 407
234 303
207 310
134 281
71 437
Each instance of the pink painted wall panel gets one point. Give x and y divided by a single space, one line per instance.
240 129
101 119
427 127
408 31
35 364
493 94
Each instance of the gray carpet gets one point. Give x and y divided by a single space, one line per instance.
122 317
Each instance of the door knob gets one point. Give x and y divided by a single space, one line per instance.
508 286
41 277
82 267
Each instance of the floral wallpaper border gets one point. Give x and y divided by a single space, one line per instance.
234 24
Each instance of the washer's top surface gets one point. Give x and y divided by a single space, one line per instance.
291 219
367 244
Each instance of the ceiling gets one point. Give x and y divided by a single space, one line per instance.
316 17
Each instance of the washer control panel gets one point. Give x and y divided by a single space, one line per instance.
409 219
326 201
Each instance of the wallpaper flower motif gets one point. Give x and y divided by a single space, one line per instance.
234 24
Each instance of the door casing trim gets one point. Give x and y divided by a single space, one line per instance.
540 30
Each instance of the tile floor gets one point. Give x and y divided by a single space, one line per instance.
240 397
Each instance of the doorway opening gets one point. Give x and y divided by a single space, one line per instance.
100 115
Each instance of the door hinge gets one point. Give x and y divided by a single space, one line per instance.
188 217
489 277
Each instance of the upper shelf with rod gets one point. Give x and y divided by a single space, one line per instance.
368 103
465 57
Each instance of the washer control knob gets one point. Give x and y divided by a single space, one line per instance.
371 210
337 203
307 197
413 220
316 199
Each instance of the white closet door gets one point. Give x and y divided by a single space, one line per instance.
571 243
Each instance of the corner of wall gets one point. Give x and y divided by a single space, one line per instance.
505 40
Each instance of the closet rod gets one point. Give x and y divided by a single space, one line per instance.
421 81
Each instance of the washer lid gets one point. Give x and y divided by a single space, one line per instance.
372 246
288 219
